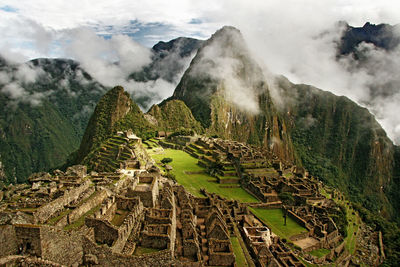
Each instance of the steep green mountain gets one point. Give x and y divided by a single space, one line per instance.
44 108
46 105
333 137
341 143
115 111
226 91
171 115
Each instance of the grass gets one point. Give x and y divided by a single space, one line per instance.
182 162
273 218
237 249
78 223
320 252
352 228
54 220
353 222
119 217
142 250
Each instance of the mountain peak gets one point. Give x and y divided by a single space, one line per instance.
112 107
185 46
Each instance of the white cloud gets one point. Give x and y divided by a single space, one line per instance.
286 36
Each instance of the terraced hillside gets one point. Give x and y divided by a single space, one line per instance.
116 150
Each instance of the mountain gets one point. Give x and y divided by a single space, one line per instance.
226 91
174 114
342 144
169 61
115 111
46 105
382 35
44 108
337 140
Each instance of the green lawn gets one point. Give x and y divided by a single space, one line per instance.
320 252
183 162
274 219
237 249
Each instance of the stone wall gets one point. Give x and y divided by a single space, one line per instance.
299 236
8 240
61 246
88 205
45 212
105 257
148 197
297 219
104 233
28 239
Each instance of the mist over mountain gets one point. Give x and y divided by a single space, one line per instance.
217 87
45 105
156 81
371 54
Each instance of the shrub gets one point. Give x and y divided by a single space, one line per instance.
166 160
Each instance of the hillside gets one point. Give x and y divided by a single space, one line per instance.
170 115
227 93
341 143
42 122
115 111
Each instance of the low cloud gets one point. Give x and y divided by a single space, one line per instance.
225 59
109 61
14 81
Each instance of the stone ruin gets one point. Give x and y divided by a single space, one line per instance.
135 217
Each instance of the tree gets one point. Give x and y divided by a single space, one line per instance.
166 160
287 198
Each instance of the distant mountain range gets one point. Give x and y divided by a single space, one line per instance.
382 35
44 124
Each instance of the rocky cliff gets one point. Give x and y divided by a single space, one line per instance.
341 143
226 91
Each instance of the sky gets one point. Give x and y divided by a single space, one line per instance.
291 37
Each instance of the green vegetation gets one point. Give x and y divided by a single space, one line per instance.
320 252
41 135
237 249
115 111
273 218
287 198
166 160
390 231
142 250
183 164
81 221
174 114
336 141
54 220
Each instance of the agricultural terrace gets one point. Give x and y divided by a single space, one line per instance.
193 177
